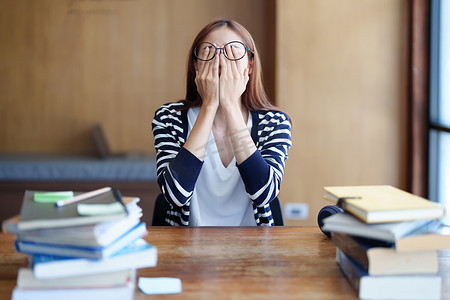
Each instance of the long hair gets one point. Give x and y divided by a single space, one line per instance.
254 97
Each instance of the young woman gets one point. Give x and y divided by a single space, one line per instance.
221 152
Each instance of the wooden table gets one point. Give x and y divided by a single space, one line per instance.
230 263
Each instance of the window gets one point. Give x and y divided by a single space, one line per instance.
439 125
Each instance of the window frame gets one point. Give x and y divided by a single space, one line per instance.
436 128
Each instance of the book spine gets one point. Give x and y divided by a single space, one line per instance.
352 248
349 268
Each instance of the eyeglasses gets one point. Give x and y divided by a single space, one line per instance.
234 50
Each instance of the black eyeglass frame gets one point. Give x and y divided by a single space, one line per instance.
247 50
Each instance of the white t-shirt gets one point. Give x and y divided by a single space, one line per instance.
219 197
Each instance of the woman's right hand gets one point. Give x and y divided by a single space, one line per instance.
207 81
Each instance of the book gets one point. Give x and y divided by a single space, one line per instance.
35 215
26 280
93 235
389 232
10 225
434 235
111 292
86 252
379 258
407 287
139 254
383 203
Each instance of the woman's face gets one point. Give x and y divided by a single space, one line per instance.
219 38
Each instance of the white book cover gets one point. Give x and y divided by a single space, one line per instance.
72 251
139 254
390 232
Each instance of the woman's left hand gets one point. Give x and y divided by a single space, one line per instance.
234 76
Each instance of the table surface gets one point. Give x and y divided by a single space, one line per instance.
229 263
249 262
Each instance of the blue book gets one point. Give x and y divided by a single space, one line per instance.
29 247
139 254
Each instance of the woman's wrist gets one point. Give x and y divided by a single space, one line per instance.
210 106
231 108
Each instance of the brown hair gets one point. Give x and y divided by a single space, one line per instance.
254 97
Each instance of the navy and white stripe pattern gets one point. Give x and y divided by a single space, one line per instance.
178 169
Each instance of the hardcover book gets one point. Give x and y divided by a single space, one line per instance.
383 203
87 252
432 236
405 287
122 291
26 280
379 259
136 255
93 235
389 232
35 215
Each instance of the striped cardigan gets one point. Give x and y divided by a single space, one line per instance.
178 169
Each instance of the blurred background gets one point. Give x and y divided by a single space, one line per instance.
338 68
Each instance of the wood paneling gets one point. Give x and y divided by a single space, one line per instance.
337 67
341 74
66 65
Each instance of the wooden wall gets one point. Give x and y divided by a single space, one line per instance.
66 65
341 74
337 67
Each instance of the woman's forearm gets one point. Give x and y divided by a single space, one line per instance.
241 140
197 141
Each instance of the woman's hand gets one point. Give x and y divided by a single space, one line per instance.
234 76
207 81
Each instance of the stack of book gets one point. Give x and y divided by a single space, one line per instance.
387 241
80 246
